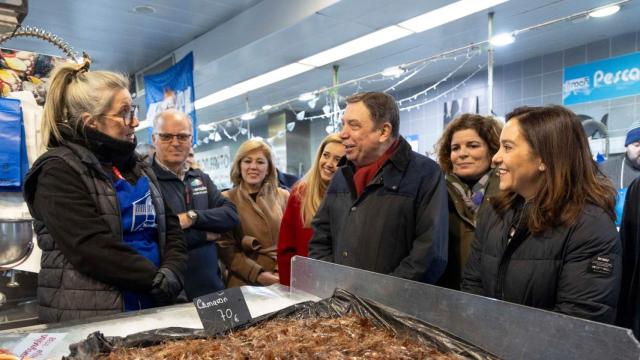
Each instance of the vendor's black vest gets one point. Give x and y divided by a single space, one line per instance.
64 293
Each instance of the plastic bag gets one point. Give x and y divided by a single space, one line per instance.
341 303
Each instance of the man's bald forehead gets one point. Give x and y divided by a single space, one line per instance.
171 115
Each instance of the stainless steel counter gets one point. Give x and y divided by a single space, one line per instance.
260 300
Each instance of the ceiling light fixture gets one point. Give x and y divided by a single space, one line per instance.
446 14
503 39
393 71
605 11
356 46
144 9
308 96
248 116
257 82
426 21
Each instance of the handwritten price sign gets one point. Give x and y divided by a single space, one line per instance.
222 311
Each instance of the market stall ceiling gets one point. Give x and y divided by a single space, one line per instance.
349 19
122 40
117 37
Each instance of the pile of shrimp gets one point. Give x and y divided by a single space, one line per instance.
348 337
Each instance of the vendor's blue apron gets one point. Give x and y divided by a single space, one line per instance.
622 194
139 230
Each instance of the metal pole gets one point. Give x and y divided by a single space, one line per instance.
490 66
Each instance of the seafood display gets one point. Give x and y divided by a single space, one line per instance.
347 337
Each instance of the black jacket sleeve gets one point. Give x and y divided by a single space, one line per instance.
628 314
62 202
221 216
582 290
428 257
174 254
472 274
321 243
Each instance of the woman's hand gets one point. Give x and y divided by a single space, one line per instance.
267 278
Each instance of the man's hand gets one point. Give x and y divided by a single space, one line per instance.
185 221
165 287
211 236
267 278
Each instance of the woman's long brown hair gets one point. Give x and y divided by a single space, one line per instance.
572 178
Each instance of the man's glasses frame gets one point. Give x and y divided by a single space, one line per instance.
167 137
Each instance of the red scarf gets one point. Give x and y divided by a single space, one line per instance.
365 174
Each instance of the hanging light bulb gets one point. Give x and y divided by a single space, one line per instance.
326 110
503 39
243 131
300 115
312 103
291 126
393 71
217 137
329 129
248 116
605 11
307 96
212 136
205 140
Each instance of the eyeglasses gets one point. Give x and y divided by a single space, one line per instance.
127 114
166 137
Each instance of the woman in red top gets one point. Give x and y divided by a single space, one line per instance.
306 196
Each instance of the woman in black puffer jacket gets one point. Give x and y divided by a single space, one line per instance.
549 240
108 242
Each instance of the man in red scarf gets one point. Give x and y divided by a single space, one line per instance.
386 207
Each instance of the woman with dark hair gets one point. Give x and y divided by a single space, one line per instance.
464 153
549 239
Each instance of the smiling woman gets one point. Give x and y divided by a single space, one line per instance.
249 251
464 153
549 239
305 199
91 185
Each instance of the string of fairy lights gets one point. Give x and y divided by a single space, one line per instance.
237 126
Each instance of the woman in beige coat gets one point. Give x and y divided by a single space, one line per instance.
249 251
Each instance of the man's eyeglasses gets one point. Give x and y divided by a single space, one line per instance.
166 137
127 114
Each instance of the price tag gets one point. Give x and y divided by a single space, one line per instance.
37 346
223 310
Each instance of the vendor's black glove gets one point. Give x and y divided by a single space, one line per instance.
165 287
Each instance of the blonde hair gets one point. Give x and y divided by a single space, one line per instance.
250 146
74 91
312 186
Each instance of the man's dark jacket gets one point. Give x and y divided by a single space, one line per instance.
215 214
398 226
629 303
574 270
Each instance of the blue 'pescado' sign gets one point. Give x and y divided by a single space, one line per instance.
601 80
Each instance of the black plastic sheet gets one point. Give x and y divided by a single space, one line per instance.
341 303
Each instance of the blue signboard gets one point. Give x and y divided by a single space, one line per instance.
172 89
13 150
601 80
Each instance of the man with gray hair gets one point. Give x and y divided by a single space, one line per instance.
203 212
386 207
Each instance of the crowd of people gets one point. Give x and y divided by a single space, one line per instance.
518 211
